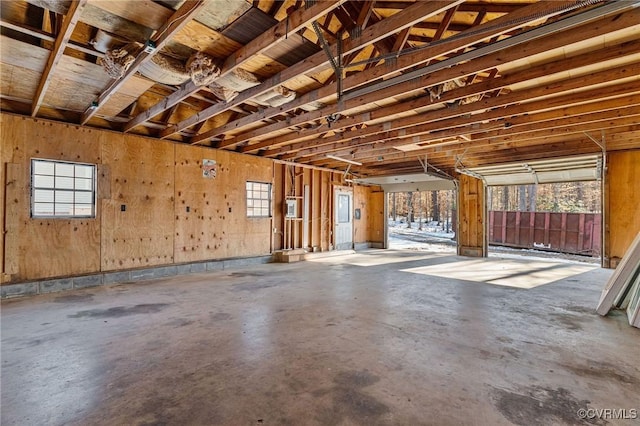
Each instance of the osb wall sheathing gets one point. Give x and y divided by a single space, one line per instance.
622 204
472 217
144 186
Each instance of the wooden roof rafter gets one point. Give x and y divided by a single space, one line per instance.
176 22
498 26
296 20
68 25
427 80
370 35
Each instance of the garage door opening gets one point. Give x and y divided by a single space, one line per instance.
555 210
556 219
420 210
424 220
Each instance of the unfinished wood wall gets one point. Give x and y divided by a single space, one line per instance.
471 217
622 204
45 247
370 227
290 182
154 206
216 223
136 173
154 180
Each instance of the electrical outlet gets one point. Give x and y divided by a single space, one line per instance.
123 207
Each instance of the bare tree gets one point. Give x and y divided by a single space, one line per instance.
435 206
419 211
532 191
409 209
393 206
505 198
522 198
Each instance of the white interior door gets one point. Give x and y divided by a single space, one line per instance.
343 209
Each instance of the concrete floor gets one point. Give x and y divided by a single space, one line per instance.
380 337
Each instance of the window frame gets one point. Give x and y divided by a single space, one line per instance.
251 199
55 189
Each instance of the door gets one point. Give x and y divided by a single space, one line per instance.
343 235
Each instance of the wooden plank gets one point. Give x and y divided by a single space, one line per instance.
215 225
47 247
141 179
517 115
623 72
177 21
302 17
144 12
571 117
13 198
203 39
68 25
131 90
621 278
106 21
498 26
406 18
446 118
623 201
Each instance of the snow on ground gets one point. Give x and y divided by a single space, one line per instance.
434 239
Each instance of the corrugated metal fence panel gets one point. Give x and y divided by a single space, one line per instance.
577 233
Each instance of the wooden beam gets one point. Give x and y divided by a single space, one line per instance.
68 25
365 13
373 33
488 62
175 23
553 118
437 120
495 27
297 20
446 21
607 120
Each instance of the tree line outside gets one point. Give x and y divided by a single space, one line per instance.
439 206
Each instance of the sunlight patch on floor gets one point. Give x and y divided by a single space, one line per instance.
504 272
385 257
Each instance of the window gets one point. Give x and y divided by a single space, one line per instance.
258 199
344 209
61 189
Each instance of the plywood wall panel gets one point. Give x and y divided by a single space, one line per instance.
144 189
622 208
471 232
370 227
216 225
360 226
141 179
42 248
376 216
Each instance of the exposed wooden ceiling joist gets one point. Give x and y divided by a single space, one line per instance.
175 23
68 25
499 26
371 34
297 20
